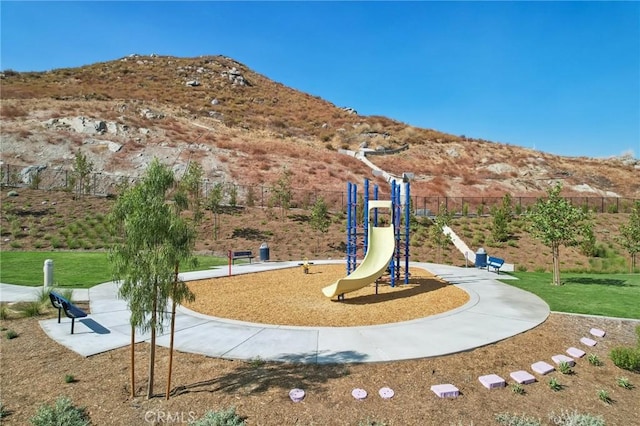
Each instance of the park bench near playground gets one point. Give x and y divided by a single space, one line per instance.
70 310
495 263
246 254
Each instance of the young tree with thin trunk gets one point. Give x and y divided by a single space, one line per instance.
154 240
556 222
82 168
282 193
319 219
437 233
630 236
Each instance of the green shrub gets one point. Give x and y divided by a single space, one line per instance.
62 413
11 334
226 417
517 388
626 357
31 309
604 396
565 368
3 411
554 385
594 360
509 419
623 382
638 335
68 378
567 418
4 312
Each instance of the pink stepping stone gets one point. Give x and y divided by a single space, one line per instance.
492 381
575 352
359 394
563 358
597 332
386 393
542 367
445 391
523 377
296 395
588 342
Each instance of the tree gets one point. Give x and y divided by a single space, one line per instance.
82 168
502 217
281 192
191 183
630 235
214 203
154 241
556 222
437 233
320 219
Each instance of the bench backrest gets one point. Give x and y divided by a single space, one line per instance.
496 260
57 300
242 253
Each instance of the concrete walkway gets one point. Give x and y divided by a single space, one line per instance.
494 312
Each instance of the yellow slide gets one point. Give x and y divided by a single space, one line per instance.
379 254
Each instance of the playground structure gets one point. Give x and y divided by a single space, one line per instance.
384 246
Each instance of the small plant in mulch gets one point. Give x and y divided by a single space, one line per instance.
594 360
569 418
604 396
63 412
3 411
623 382
227 417
565 368
369 422
554 384
68 378
11 334
257 362
517 388
509 419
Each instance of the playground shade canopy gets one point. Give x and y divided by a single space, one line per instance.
379 254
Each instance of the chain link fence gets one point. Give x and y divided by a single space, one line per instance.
106 184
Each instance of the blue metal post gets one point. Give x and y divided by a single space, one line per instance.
407 229
366 216
375 213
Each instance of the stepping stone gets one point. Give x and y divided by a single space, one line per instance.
563 358
542 367
296 395
575 352
523 377
492 381
359 394
597 332
445 391
588 342
386 393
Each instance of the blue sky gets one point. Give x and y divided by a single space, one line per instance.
560 77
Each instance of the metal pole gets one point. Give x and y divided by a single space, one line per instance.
407 228
366 216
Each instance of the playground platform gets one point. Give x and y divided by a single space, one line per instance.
495 311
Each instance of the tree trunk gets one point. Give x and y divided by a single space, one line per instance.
556 264
133 363
152 347
173 326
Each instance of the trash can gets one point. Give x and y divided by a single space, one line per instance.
264 252
481 258
48 273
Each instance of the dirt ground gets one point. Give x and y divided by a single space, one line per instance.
34 369
291 297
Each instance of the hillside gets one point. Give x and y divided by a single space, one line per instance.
244 128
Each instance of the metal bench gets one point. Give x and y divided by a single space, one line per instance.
247 254
495 263
70 310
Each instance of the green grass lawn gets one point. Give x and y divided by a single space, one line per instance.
615 295
70 269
